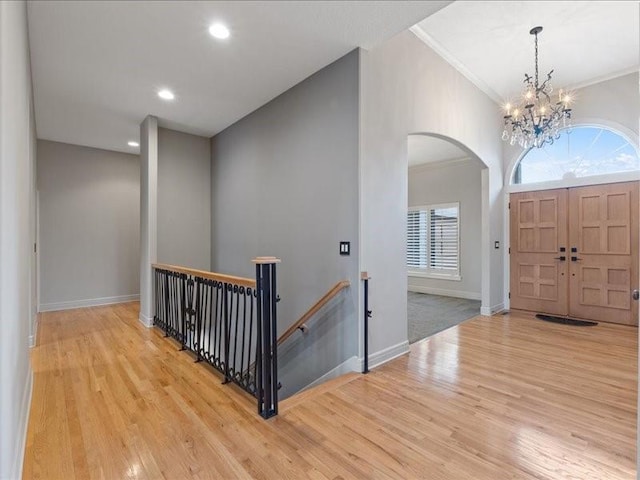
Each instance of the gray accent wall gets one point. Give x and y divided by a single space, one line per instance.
89 225
184 199
284 183
449 182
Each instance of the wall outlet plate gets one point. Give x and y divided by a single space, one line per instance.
345 248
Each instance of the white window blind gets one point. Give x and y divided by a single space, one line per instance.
433 239
417 231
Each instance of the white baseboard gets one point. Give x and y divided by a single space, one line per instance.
146 321
25 408
349 365
356 364
444 292
32 338
383 356
487 312
90 302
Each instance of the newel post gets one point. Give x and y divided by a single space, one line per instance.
267 345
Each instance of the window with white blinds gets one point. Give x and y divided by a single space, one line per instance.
433 239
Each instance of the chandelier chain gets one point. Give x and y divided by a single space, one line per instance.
536 61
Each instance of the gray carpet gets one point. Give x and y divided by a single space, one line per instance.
429 314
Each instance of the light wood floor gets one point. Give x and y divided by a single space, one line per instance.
506 397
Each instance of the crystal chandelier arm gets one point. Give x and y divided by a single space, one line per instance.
543 88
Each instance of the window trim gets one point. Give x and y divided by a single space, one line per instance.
429 272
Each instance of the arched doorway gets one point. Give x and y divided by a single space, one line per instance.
444 218
573 227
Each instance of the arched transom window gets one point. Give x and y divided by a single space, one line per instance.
583 151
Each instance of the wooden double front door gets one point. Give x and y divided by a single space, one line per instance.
574 252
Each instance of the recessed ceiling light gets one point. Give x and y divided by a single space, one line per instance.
218 30
166 94
133 144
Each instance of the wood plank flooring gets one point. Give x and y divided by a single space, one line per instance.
505 397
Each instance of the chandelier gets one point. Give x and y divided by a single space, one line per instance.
537 119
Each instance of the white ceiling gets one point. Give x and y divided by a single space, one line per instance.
489 41
424 149
97 66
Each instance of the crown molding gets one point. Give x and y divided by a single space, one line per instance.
602 78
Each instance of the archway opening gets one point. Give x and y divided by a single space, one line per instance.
445 198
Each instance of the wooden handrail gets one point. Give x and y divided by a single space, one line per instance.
309 313
220 277
314 309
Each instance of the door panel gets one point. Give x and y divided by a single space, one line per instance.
538 232
604 269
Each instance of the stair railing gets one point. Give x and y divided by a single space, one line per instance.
229 322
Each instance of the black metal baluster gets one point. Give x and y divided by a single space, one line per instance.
178 297
176 313
183 310
243 291
207 310
258 373
252 375
236 295
155 298
161 299
191 323
167 296
197 334
227 320
171 305
219 327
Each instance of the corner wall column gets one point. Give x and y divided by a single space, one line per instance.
148 214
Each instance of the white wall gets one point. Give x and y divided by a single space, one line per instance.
184 199
449 182
17 157
89 225
407 88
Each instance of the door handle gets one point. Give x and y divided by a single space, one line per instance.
635 295
562 258
575 259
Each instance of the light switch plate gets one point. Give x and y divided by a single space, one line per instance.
345 248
